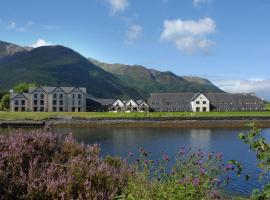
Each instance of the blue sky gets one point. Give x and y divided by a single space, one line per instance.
226 41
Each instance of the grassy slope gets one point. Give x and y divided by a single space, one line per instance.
60 66
147 81
46 115
267 106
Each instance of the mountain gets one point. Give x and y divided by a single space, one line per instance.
146 81
62 66
7 49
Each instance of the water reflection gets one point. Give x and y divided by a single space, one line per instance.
201 139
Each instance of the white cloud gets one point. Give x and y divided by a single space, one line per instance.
197 3
189 35
133 33
13 26
118 5
256 85
40 43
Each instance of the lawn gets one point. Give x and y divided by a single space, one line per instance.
267 106
47 115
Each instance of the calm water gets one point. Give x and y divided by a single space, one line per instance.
120 141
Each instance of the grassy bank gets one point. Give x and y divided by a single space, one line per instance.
47 115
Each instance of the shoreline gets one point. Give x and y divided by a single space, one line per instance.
203 122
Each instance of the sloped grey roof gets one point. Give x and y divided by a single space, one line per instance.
218 101
14 95
49 89
181 101
104 102
231 102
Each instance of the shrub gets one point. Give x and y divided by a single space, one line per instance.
193 176
261 147
43 165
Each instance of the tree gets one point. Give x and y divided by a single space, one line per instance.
23 87
4 102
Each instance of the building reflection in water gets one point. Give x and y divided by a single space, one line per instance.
200 139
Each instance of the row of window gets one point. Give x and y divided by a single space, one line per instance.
55 96
198 102
60 102
16 108
198 109
17 102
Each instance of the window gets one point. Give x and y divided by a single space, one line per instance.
54 102
35 102
35 109
79 102
42 96
73 109
79 96
61 96
73 102
61 109
197 109
16 102
204 109
204 102
79 109
197 102
16 109
35 96
22 109
54 109
41 109
41 102
74 96
55 96
23 102
61 102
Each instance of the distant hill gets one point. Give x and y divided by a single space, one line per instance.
7 49
62 66
147 81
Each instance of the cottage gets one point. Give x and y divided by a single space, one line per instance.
117 105
50 99
204 102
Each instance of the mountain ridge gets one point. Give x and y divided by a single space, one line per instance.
59 66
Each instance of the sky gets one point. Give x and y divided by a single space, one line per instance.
225 41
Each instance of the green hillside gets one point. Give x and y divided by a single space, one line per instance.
61 66
146 81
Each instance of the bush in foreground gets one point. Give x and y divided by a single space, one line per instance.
43 165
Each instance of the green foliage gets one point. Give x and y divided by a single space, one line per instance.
23 87
4 102
261 147
267 106
147 81
194 176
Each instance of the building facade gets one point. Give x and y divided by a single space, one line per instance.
204 102
117 105
49 99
